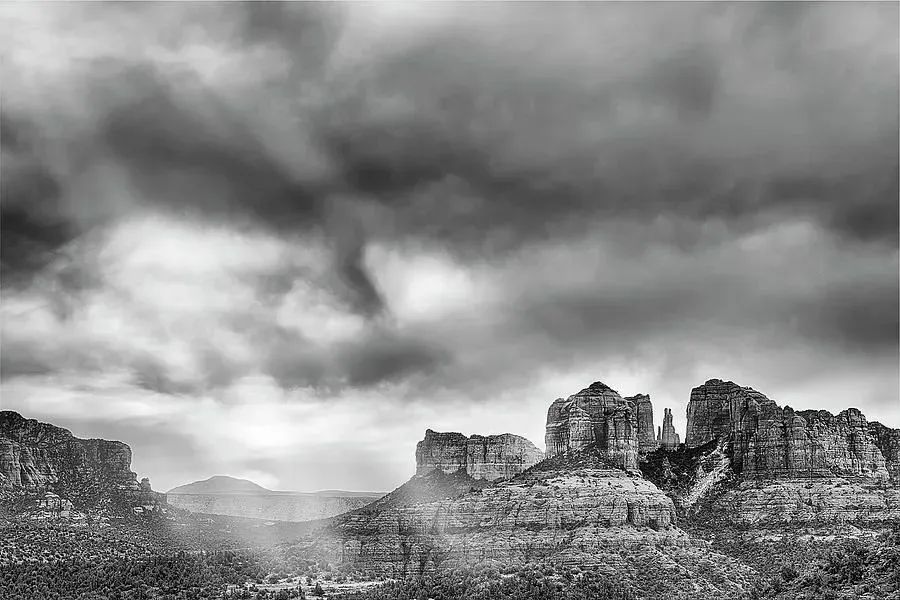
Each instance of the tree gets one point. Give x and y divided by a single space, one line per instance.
318 591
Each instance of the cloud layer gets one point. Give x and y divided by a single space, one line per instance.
300 215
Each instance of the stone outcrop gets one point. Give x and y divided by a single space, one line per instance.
596 416
38 457
647 441
888 441
481 457
552 510
668 439
768 441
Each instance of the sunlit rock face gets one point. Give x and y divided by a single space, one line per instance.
599 416
768 441
489 458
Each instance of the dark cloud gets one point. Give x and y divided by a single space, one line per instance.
483 133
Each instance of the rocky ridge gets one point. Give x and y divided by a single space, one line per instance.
768 441
490 457
36 458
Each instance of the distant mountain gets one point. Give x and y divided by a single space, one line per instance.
223 495
221 484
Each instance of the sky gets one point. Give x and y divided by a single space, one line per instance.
279 241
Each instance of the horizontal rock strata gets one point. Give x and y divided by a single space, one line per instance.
37 457
540 514
768 441
888 441
813 501
481 457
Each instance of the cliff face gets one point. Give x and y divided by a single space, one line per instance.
888 441
599 416
768 441
647 441
490 458
36 457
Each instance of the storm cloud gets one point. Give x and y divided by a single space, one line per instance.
452 208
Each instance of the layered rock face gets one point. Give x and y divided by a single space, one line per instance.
36 457
550 512
596 416
770 442
647 441
888 441
481 457
668 439
820 501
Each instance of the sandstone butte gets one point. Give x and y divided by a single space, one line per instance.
784 465
745 460
490 457
606 486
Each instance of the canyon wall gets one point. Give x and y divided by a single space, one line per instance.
481 457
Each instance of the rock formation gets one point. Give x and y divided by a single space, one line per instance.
598 416
647 441
888 441
668 439
576 503
38 457
768 441
481 457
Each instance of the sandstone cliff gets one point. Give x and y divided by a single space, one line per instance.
647 441
481 457
596 416
768 441
38 457
888 441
